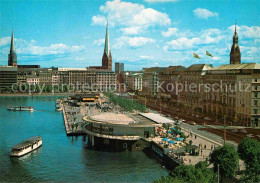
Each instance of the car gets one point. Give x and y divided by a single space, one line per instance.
208 119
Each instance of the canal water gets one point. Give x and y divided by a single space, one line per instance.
62 158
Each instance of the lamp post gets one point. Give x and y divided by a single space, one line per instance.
218 173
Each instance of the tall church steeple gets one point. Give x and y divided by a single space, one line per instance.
12 58
107 57
235 55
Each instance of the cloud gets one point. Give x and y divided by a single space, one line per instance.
99 42
170 32
133 42
204 13
4 41
54 49
204 37
132 30
246 31
24 47
98 20
160 1
132 17
146 57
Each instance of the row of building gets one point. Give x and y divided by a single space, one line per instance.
229 93
93 77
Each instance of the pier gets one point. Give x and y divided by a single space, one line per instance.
72 120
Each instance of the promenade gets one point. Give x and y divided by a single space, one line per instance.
73 119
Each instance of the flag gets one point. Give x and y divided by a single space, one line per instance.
196 56
208 54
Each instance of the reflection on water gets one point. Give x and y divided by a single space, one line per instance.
62 158
27 157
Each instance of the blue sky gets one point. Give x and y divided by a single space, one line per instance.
143 33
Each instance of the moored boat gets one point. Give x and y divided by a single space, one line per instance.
26 146
58 108
58 105
20 108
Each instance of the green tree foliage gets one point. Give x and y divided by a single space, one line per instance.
190 174
227 158
249 152
126 104
49 88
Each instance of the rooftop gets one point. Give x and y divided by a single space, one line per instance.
156 118
198 67
132 120
114 118
237 66
26 142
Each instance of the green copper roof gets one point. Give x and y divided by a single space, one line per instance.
12 48
107 45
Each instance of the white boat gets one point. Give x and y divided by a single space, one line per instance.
20 108
26 146
58 108
58 101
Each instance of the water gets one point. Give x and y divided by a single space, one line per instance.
62 158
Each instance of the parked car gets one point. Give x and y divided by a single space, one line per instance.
208 119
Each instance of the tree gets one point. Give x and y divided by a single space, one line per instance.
249 152
190 142
227 158
49 88
190 174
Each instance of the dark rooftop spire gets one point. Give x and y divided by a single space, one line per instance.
12 48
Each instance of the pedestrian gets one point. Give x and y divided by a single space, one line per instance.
205 146
189 161
201 151
211 147
195 136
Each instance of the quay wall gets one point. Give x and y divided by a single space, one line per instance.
157 152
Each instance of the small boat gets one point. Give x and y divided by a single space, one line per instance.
58 101
26 146
19 108
58 108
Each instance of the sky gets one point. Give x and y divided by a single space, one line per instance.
143 33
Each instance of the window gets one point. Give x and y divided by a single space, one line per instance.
255 87
255 79
255 102
255 111
124 145
255 94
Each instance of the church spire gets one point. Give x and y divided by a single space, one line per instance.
107 44
235 55
107 57
12 48
12 58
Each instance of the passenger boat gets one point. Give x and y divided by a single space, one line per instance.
26 146
20 108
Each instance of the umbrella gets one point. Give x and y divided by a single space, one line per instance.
179 139
172 128
165 139
169 132
172 142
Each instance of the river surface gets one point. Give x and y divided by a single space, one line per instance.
62 158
